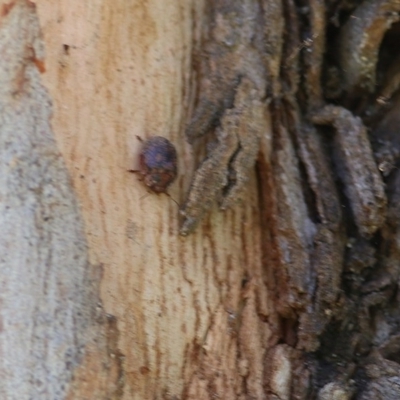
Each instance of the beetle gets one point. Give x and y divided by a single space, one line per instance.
157 163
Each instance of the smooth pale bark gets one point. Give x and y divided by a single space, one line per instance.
48 294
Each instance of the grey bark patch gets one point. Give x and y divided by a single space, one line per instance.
45 291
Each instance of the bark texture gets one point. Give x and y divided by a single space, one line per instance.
115 70
291 295
48 297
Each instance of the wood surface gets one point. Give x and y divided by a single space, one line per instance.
292 294
189 313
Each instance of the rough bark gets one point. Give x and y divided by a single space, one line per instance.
291 295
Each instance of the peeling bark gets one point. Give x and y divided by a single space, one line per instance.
291 295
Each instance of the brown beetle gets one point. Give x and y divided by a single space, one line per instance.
157 163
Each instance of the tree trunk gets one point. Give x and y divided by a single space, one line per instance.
292 294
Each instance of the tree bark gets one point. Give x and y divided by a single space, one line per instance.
291 295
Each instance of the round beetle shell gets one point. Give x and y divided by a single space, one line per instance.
158 163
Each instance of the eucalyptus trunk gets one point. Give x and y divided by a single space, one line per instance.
276 276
